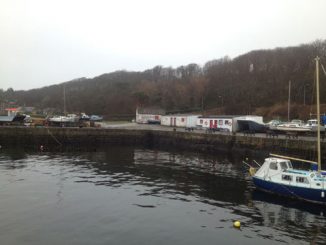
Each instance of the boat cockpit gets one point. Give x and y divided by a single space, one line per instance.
282 165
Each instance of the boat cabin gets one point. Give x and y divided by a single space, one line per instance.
275 165
278 170
312 122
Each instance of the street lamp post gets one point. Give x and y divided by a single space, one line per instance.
221 97
304 94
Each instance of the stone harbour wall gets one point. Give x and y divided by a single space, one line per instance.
52 138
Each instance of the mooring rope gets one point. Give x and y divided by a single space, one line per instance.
291 192
53 137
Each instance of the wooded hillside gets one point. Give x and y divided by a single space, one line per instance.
256 82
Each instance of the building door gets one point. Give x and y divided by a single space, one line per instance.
215 123
174 121
211 123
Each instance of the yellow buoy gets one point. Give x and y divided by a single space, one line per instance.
237 224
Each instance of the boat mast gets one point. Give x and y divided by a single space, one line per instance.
289 101
318 115
64 99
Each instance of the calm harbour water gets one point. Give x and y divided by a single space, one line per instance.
125 195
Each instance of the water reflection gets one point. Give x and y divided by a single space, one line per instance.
167 175
12 153
184 191
297 219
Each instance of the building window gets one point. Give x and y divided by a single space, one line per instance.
220 122
302 180
201 121
286 177
182 119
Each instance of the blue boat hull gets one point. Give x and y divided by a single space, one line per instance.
307 194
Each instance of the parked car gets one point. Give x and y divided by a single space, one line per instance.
96 118
273 123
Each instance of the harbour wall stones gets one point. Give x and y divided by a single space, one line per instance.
53 138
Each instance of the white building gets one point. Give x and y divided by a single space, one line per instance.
149 115
217 122
12 112
232 123
186 121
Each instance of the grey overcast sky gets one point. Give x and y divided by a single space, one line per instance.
44 42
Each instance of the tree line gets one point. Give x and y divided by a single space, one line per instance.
255 82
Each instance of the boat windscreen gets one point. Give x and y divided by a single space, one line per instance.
283 165
273 165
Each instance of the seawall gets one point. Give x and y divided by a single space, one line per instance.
52 138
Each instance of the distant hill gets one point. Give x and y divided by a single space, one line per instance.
246 84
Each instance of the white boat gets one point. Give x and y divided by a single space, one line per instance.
67 118
84 116
64 119
294 126
278 176
96 118
313 124
273 124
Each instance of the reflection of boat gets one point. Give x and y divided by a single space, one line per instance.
278 176
269 202
295 218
